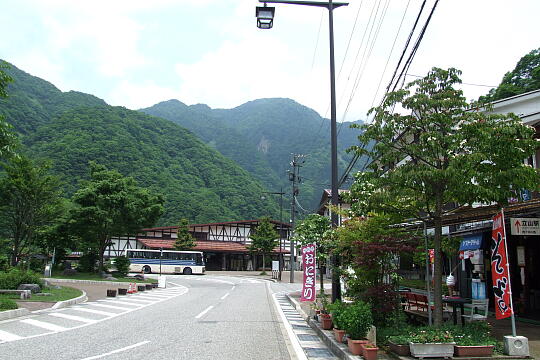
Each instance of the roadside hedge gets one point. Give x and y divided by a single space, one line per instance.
12 279
7 304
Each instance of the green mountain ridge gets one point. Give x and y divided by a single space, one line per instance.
261 135
73 128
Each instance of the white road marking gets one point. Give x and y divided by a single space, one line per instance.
234 286
43 325
5 336
204 312
119 302
117 351
224 296
72 317
92 311
112 307
140 302
153 297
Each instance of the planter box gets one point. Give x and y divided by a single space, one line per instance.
111 293
122 291
326 321
141 287
473 351
149 287
401 350
444 350
355 346
339 334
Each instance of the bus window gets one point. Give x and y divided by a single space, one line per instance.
199 260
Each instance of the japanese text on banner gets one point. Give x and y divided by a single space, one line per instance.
499 269
310 266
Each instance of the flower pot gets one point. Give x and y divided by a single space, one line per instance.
355 346
444 350
111 293
122 291
149 287
370 353
339 334
473 351
326 321
401 350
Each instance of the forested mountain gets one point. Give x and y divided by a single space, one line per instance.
72 129
262 134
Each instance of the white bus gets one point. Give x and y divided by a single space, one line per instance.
172 262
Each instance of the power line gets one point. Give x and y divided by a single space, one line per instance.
463 83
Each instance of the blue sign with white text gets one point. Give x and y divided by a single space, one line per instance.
471 242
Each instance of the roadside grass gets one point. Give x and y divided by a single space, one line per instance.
64 293
97 277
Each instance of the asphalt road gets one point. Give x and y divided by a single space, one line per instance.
196 317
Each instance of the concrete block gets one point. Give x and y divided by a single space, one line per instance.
516 345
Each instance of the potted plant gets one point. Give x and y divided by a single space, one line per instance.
399 344
369 351
357 320
473 340
432 342
336 309
324 317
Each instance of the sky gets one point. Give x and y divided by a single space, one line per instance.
136 53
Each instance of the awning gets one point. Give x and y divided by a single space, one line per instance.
471 242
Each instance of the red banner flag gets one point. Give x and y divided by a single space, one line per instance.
308 259
499 269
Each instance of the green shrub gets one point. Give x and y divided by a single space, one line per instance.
474 334
402 339
88 262
357 319
12 279
122 265
427 335
337 309
7 304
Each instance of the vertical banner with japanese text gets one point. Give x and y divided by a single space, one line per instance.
310 270
499 269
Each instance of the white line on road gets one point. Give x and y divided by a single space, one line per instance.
72 317
43 325
99 312
119 302
5 336
112 307
224 296
117 351
204 312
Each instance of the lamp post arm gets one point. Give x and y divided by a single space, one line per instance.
307 3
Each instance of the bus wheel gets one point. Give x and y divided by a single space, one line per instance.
187 271
147 269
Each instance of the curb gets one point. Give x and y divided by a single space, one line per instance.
66 303
10 314
340 350
95 282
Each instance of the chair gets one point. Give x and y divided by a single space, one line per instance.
478 310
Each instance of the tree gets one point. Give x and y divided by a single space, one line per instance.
8 139
524 78
184 239
110 204
264 239
29 202
315 229
442 151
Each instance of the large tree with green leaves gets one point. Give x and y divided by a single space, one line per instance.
8 139
316 229
264 239
524 78
436 150
184 239
29 202
110 204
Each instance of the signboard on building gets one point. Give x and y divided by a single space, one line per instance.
310 271
525 226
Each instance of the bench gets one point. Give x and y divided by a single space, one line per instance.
419 301
24 294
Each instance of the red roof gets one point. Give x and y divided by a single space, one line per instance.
204 245
244 222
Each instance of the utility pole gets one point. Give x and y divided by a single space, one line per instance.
295 179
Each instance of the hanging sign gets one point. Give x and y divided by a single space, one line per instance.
308 286
525 226
499 269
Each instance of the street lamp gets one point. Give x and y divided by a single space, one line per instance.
280 193
330 5
265 16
